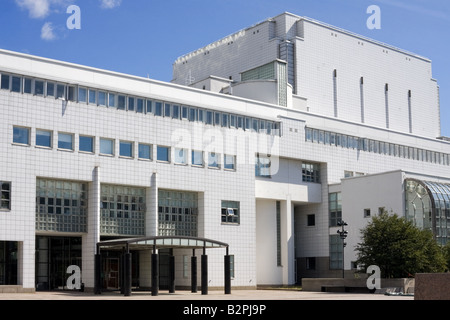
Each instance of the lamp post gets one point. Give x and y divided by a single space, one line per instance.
343 234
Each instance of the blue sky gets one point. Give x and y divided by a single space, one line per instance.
144 38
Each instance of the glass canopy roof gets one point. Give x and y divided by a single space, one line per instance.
158 242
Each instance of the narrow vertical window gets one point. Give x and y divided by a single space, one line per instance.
39 88
82 95
111 100
278 224
386 102
361 93
5 81
410 112
335 93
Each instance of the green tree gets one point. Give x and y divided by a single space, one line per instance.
398 248
446 250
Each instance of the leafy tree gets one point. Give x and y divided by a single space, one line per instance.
446 252
398 248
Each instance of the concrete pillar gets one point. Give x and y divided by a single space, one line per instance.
151 215
287 241
89 240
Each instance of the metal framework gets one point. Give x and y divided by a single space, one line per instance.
163 242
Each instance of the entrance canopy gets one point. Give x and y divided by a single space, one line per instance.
159 242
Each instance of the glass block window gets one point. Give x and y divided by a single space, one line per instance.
336 252
230 212
177 213
61 206
122 210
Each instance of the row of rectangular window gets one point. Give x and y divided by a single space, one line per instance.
375 146
44 139
142 105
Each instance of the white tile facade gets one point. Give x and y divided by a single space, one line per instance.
258 240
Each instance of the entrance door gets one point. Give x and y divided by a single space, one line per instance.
112 273
164 268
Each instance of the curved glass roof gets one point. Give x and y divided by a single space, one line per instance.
428 206
158 242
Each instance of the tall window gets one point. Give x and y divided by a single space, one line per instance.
5 196
335 208
262 166
5 81
230 212
336 252
8 262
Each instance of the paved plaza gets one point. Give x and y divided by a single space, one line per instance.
212 295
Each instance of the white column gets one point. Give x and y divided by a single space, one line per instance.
151 214
287 241
89 240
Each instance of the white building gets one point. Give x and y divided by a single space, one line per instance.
264 142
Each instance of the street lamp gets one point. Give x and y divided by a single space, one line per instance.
343 234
